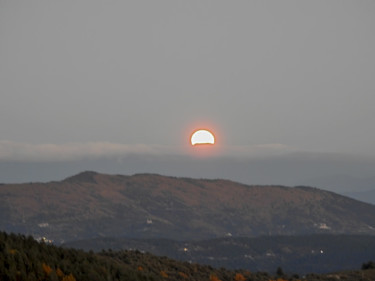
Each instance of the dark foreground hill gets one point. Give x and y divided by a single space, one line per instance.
22 258
91 205
319 253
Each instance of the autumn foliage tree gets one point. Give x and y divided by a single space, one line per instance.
239 277
213 277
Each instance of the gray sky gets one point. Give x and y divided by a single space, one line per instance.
111 77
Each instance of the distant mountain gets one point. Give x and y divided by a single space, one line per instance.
359 188
318 253
91 205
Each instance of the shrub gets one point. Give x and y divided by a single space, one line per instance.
368 265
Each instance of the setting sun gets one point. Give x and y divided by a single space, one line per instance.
202 137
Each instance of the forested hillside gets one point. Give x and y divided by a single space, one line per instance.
153 206
321 253
23 258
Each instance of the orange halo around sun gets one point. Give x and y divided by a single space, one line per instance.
202 137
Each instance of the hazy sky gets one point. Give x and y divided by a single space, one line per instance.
98 77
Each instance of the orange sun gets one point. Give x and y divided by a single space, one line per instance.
201 137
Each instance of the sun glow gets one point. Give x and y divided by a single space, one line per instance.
202 137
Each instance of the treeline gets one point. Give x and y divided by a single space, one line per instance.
321 253
23 258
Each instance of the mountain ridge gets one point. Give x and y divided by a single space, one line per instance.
156 206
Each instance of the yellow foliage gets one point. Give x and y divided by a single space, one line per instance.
59 273
12 251
163 274
47 269
239 277
183 275
214 278
69 277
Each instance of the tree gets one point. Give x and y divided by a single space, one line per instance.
47 269
279 271
368 265
163 274
59 273
239 277
214 278
69 277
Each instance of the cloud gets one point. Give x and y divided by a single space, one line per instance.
260 150
27 152
253 164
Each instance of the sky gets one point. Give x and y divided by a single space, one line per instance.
86 80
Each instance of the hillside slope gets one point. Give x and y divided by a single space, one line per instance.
22 258
318 253
92 205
